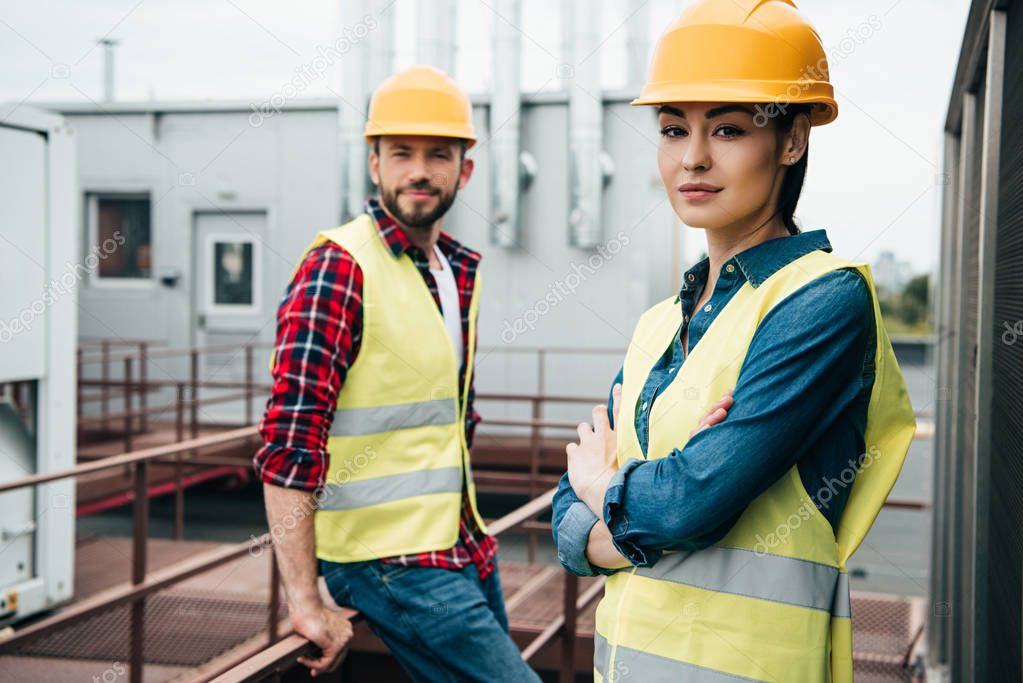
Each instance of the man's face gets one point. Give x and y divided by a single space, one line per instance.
418 176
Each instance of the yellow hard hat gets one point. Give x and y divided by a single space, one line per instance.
421 100
742 51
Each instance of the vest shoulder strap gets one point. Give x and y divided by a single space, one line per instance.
349 236
803 271
353 236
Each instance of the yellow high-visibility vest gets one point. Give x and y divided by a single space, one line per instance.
398 453
770 601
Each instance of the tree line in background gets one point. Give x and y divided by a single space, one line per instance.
908 311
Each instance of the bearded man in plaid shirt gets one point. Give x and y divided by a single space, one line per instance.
371 413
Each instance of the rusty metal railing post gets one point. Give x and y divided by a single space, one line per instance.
249 389
140 537
534 468
143 389
78 383
127 404
193 416
194 375
275 594
535 443
567 673
179 413
104 405
179 489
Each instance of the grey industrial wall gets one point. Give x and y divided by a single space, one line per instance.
193 159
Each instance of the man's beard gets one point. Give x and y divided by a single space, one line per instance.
419 218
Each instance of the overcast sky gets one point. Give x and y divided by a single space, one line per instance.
874 175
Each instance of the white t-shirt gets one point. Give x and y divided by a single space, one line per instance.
448 291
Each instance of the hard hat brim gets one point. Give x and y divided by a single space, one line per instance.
426 129
825 110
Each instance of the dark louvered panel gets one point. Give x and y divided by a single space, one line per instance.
1006 501
966 404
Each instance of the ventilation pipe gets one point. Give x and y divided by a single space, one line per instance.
589 169
109 47
511 169
369 25
637 43
438 22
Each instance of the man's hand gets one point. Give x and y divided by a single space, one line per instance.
289 514
329 629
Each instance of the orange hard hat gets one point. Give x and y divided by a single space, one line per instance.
757 51
422 100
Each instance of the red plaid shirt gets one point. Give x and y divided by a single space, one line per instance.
319 329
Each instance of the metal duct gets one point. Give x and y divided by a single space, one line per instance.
369 26
438 21
380 42
109 48
585 122
505 107
637 27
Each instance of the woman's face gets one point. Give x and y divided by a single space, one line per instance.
719 169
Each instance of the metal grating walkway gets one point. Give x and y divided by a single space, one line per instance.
182 627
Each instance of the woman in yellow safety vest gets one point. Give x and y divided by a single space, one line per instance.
764 418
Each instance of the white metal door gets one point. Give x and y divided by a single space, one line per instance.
233 307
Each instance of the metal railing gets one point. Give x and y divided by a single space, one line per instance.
135 386
283 655
132 388
142 583
186 407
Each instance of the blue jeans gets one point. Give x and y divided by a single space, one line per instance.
440 624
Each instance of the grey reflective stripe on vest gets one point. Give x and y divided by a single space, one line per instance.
359 494
756 575
601 654
645 667
362 421
841 609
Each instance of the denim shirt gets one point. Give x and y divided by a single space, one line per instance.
801 399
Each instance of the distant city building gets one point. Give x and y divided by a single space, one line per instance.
891 273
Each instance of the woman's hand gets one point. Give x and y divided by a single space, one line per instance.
717 413
594 460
